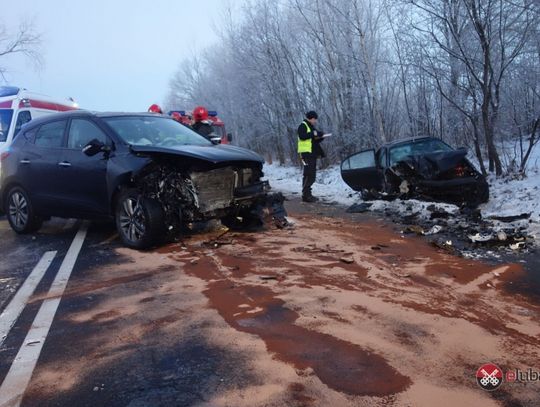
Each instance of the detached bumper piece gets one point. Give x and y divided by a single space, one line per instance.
251 191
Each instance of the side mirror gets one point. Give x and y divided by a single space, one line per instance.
94 147
215 140
229 137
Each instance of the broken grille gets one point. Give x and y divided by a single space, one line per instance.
215 188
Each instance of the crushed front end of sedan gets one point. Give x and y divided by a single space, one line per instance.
422 168
232 192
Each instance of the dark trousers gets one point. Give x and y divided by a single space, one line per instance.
310 172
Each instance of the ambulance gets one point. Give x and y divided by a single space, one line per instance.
18 106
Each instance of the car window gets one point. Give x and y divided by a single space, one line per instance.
154 131
50 134
5 121
22 118
82 131
364 159
414 148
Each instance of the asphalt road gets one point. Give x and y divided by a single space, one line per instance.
338 310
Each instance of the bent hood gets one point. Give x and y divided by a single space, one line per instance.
215 153
430 165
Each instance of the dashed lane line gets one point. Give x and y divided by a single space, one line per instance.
19 300
20 372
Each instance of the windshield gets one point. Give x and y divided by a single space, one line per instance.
219 131
154 131
5 121
398 153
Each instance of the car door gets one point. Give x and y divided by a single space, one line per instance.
38 167
361 171
84 177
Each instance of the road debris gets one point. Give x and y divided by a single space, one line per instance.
511 218
347 260
459 230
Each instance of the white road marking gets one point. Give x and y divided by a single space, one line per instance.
20 372
19 300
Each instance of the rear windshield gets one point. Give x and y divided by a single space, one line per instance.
420 147
5 122
154 131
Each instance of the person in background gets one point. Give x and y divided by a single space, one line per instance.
201 124
309 148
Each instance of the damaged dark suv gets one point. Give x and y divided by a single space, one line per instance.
423 168
148 172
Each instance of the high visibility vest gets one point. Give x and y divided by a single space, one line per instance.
305 146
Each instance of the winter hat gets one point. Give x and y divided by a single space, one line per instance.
312 115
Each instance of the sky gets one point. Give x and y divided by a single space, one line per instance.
115 55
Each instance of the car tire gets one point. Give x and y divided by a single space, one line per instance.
139 220
20 212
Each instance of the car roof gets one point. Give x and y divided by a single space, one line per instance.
408 140
84 113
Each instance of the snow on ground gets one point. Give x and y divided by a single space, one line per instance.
508 196
329 185
516 196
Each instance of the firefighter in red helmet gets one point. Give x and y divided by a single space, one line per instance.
155 109
201 124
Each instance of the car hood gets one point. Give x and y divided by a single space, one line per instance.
215 153
431 165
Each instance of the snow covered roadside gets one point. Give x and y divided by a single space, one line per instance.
508 197
329 186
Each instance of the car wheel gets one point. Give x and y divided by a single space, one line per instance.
20 212
139 220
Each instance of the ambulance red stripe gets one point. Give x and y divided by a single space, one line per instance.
38 104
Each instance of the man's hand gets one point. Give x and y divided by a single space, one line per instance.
318 135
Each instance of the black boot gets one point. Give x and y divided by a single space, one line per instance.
309 198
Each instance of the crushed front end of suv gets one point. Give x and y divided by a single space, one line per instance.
152 175
423 168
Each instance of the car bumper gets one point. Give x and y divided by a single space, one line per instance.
251 191
466 189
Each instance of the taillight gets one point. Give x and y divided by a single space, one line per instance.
4 155
460 171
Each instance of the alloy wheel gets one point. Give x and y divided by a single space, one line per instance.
132 219
18 210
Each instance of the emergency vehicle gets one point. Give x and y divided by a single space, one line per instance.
18 106
216 123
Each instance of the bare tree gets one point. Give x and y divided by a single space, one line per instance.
467 71
24 41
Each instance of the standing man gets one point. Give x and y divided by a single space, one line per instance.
309 148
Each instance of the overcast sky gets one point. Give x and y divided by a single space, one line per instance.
110 55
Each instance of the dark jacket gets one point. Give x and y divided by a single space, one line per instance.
204 129
315 135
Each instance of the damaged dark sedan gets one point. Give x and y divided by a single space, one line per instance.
150 174
423 168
